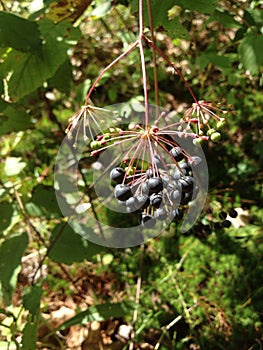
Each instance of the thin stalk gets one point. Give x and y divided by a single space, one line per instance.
107 68
144 76
155 73
174 68
138 294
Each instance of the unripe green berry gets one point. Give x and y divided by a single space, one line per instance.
198 141
216 136
95 144
130 170
221 123
210 132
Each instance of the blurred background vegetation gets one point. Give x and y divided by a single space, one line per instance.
200 290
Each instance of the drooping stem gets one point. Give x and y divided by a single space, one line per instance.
173 66
155 73
108 67
144 76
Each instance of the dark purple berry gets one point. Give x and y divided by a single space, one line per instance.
233 213
226 223
117 175
186 198
122 192
142 202
155 185
176 215
177 153
222 215
156 200
160 214
194 161
187 183
175 196
218 226
148 221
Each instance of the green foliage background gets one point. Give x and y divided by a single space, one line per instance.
49 57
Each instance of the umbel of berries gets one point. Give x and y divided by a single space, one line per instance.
159 193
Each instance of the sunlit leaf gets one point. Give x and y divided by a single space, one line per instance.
67 9
30 70
13 166
10 263
96 313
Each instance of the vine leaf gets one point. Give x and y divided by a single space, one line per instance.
10 263
19 33
30 70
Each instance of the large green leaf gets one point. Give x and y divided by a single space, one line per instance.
18 33
96 313
159 10
43 202
11 252
29 337
6 210
30 70
12 119
250 51
70 247
31 299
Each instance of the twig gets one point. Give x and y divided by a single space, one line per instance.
137 296
170 325
155 73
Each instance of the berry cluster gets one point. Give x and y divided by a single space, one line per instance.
160 192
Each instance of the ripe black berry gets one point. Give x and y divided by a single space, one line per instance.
156 200
160 214
148 221
176 215
187 183
117 175
226 223
222 215
142 202
122 192
176 152
155 185
233 213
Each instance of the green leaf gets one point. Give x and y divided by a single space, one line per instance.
12 119
63 78
31 299
96 313
43 202
29 338
6 210
13 166
11 252
203 6
18 33
30 70
250 51
70 247
219 61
